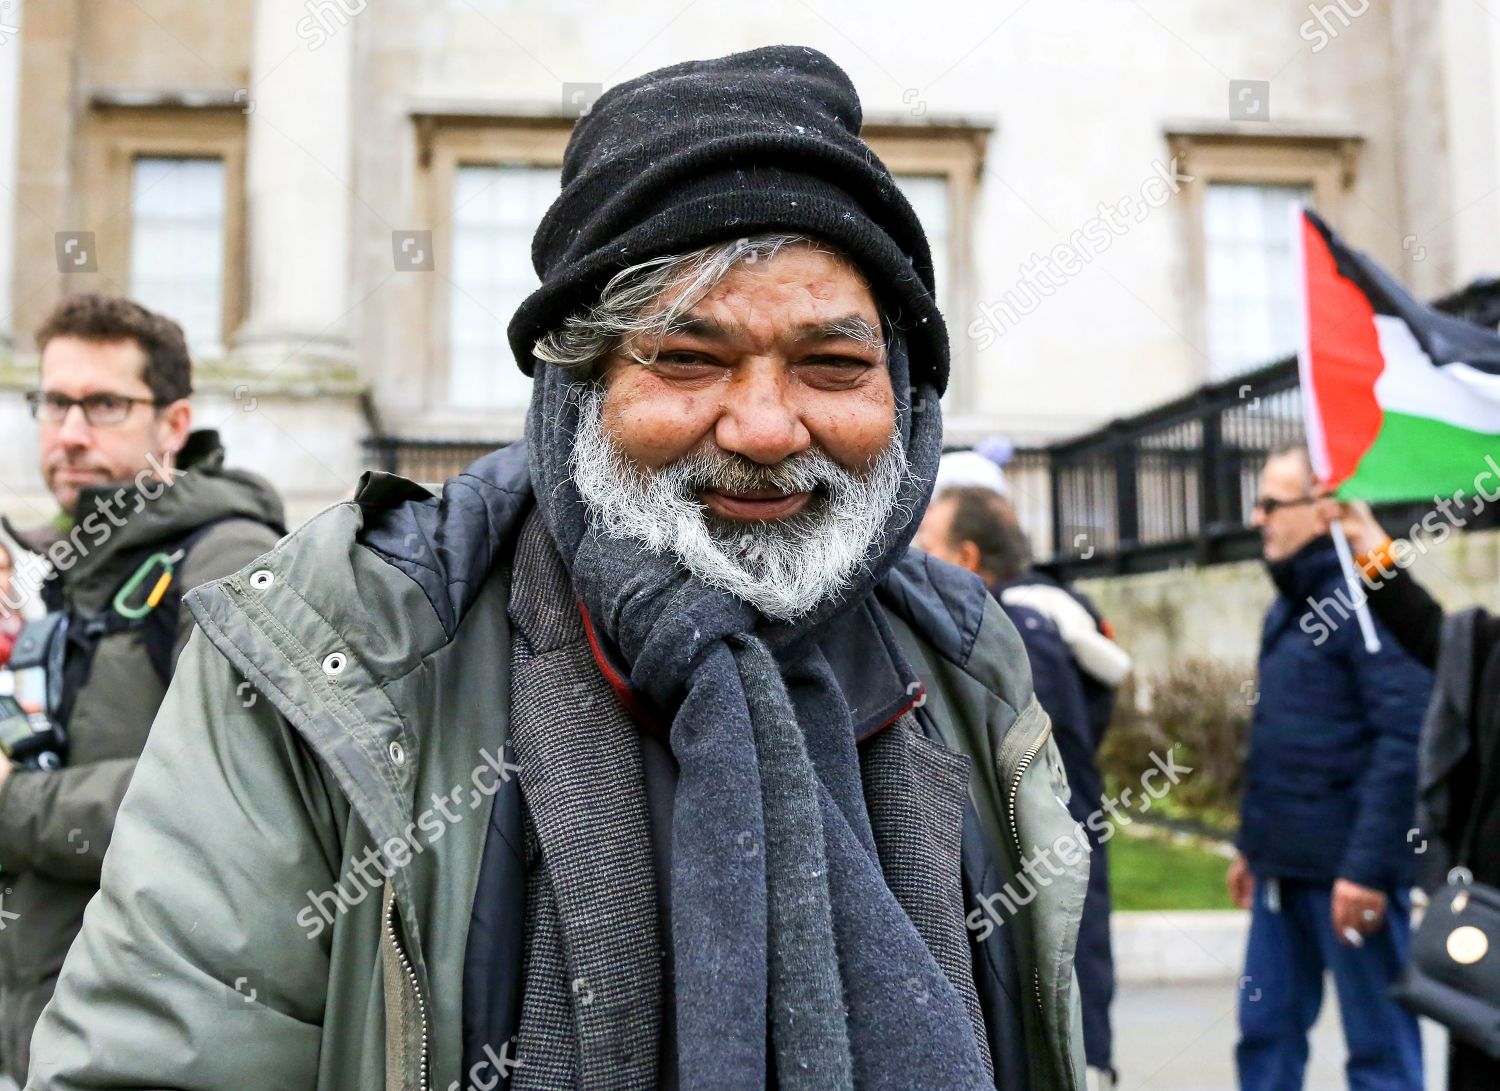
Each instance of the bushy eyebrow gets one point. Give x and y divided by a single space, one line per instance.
849 327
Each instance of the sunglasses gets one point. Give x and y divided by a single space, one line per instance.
1269 505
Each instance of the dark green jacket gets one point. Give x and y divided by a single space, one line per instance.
55 826
376 644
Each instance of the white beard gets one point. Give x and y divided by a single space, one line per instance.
784 567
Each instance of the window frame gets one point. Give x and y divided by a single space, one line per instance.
444 144
956 152
114 137
1325 162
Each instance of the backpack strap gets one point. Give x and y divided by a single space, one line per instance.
159 626
150 600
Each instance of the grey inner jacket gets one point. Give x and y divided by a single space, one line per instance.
297 912
54 827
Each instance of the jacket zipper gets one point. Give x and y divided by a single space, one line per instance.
1015 783
411 976
1015 832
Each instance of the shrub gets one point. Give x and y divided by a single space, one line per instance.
1203 708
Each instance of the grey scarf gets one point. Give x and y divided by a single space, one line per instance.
770 826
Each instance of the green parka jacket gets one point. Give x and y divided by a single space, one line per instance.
375 643
55 826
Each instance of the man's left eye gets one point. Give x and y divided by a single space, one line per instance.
842 367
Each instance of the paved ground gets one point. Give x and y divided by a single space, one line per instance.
1181 1038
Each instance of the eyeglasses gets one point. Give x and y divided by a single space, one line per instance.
101 408
1269 505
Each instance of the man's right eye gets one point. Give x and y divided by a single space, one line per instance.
684 364
104 403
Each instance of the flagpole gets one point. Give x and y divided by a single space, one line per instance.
1357 594
1317 448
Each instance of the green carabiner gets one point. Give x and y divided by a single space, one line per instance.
135 613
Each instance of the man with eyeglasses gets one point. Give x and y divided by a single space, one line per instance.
1325 860
146 511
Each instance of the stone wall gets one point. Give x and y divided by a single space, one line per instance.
1167 618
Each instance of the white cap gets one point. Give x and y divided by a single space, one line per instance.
962 469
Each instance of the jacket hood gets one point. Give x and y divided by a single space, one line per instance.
115 523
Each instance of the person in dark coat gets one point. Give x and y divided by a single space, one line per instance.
1470 777
1325 865
976 528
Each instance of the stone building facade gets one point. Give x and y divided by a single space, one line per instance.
337 196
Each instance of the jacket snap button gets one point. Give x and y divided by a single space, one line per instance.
261 578
398 754
334 663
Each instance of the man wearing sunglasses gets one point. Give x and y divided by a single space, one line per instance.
1325 862
145 511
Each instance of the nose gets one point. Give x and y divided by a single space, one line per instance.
74 429
759 421
1257 516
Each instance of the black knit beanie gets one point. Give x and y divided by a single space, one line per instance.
710 151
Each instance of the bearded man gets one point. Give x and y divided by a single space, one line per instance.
648 754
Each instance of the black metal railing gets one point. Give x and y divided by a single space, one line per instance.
1176 484
428 461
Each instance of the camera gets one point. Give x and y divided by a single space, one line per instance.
29 739
33 739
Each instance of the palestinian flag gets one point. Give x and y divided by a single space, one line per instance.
1402 401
